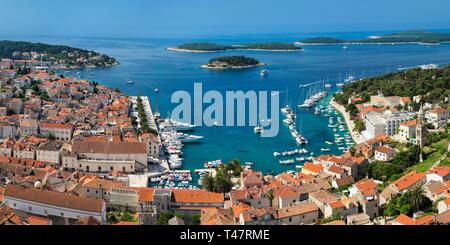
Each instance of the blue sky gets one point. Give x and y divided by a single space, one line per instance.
159 18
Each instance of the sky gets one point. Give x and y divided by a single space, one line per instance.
181 18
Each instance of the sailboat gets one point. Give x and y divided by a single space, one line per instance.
287 109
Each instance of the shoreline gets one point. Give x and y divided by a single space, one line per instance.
231 67
350 124
382 43
236 49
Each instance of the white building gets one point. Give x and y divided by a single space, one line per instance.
439 174
384 154
408 131
386 123
439 117
49 152
110 156
48 203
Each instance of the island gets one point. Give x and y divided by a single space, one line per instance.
212 47
232 62
48 56
419 37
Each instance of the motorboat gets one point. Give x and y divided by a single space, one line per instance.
264 73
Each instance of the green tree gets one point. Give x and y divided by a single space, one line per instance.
196 220
163 218
127 217
418 198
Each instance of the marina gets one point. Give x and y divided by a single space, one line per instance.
293 70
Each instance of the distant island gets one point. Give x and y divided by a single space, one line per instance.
214 48
420 37
232 62
53 56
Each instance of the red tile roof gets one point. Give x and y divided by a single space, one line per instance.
408 180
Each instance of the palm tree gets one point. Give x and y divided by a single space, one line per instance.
417 198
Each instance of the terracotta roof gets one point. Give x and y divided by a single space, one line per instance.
443 218
54 198
110 147
324 196
405 220
145 194
336 169
56 126
88 221
336 204
34 220
439 110
197 196
315 168
239 208
409 123
440 170
408 180
104 184
126 223
1 193
366 184
217 217
385 150
297 210
7 215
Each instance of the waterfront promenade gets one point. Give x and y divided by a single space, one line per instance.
357 137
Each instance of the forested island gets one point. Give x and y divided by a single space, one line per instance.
433 85
400 37
54 56
212 47
232 62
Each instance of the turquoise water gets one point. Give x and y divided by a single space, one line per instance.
147 63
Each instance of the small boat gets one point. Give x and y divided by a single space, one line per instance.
328 143
130 82
317 112
286 110
264 73
328 85
298 167
288 121
324 149
156 90
345 48
258 130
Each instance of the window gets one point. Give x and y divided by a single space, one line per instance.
87 190
30 209
15 204
290 219
62 214
112 168
45 212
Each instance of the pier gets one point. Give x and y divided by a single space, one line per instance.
350 124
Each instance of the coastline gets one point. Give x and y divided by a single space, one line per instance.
361 43
350 124
236 49
192 51
231 67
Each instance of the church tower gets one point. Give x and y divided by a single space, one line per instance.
421 129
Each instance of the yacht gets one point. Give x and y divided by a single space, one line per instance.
172 125
186 138
328 85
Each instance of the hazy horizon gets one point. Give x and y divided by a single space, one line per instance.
197 18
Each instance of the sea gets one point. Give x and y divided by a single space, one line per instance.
147 62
